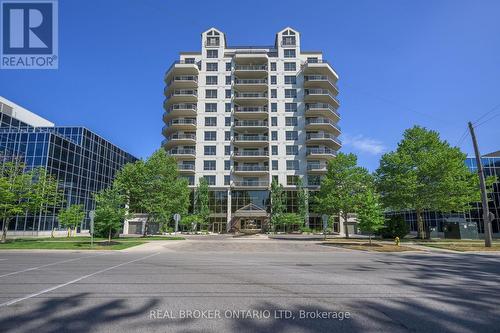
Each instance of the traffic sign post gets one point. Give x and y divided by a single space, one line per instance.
177 218
92 216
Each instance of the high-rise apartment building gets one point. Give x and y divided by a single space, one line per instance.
245 115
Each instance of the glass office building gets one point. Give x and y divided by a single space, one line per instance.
82 162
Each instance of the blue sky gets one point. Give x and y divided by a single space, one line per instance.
434 63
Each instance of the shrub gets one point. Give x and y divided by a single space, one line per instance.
305 229
395 226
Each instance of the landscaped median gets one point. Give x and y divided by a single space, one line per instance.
465 245
80 243
364 245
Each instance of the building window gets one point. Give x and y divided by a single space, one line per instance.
210 121
290 93
313 180
292 180
274 107
210 107
211 80
292 135
274 121
210 136
274 93
228 80
227 165
291 121
210 180
227 107
274 135
212 53
292 150
290 107
209 165
227 121
211 93
227 150
227 135
289 53
228 93
274 150
290 79
273 67
228 66
290 67
292 165
273 79
274 165
288 40
227 180
210 150
211 67
312 60
189 60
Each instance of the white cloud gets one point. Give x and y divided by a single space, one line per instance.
364 144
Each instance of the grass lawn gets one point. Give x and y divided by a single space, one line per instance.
464 246
365 246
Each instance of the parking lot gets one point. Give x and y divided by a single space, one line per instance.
220 284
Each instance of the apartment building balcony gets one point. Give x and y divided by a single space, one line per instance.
179 124
251 184
322 124
179 110
179 139
322 110
250 70
251 125
182 82
251 56
251 155
320 153
250 97
324 139
181 95
320 96
182 67
251 140
251 169
250 84
182 153
320 81
317 168
251 111
186 168
321 67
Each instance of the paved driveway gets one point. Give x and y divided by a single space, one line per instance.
219 284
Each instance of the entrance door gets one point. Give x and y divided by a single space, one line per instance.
251 224
218 227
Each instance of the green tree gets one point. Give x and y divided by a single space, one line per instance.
302 200
426 173
201 203
110 211
370 214
343 187
277 204
45 192
289 220
190 222
71 217
154 187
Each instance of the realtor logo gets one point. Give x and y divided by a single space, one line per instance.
29 34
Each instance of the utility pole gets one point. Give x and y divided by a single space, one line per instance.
482 184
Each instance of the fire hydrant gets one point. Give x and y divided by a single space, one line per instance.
396 240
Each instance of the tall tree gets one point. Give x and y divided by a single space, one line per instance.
71 216
201 202
302 200
370 213
426 173
45 192
277 204
110 210
342 187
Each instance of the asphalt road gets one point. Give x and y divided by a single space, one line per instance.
248 285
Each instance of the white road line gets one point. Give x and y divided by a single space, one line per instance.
47 265
73 281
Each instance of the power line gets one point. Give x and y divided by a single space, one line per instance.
487 120
486 113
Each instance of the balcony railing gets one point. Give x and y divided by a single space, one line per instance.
322 106
181 121
185 167
182 106
321 121
316 166
250 81
251 153
250 109
251 138
319 78
183 78
250 123
182 137
251 183
320 151
177 62
182 151
250 94
251 67
251 168
183 92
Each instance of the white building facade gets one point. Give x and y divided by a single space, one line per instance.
243 116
